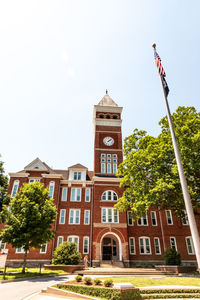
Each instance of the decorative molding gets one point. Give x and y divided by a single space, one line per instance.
108 122
106 149
110 225
18 174
95 178
52 176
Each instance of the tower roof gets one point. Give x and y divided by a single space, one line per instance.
107 101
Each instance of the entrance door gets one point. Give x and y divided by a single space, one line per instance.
109 249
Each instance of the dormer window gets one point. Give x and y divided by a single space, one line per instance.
77 175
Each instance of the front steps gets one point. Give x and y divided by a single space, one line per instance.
111 264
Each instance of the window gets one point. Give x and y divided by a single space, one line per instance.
86 217
62 216
109 196
2 245
74 216
103 169
109 169
43 248
132 245
145 247
114 155
153 218
173 243
20 250
114 168
109 215
51 189
157 245
86 245
169 217
64 194
108 155
76 194
190 245
87 195
60 240
130 218
74 239
77 175
103 155
185 218
143 221
31 180
15 188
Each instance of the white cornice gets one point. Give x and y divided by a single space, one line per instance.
52 176
107 122
108 179
65 181
114 109
18 174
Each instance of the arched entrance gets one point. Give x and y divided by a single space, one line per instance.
111 247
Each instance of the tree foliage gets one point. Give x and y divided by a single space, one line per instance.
149 171
4 198
66 254
172 257
29 218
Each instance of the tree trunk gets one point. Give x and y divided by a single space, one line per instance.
24 264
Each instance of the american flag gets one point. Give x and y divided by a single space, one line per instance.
158 64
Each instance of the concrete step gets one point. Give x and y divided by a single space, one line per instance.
120 271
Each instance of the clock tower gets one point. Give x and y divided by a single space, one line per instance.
108 137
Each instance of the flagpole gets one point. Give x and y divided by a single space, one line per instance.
186 195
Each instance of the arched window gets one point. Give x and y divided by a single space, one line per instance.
109 196
107 116
101 116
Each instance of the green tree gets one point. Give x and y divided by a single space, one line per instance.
66 254
4 198
149 171
29 218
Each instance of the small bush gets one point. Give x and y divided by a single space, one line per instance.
66 254
97 281
78 278
108 282
172 257
87 280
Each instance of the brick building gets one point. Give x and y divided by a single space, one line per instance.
85 200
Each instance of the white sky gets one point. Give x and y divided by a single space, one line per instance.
57 58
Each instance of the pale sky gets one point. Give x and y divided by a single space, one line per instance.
57 58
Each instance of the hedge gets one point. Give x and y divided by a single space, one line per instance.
168 296
171 291
105 293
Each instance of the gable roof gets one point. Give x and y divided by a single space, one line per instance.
77 166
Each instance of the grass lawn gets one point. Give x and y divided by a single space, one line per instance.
146 281
12 273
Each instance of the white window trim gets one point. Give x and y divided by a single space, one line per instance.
145 237
1 245
34 179
153 211
170 216
132 253
74 216
75 194
64 216
64 188
45 249
192 245
129 211
62 237
186 218
87 189
16 182
103 168
88 217
157 238
112 196
106 208
86 237
18 252
73 238
51 183
172 237
142 221
78 172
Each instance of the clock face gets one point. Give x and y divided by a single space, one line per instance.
108 141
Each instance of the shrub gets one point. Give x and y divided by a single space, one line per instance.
78 278
172 257
97 281
88 280
108 282
66 254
